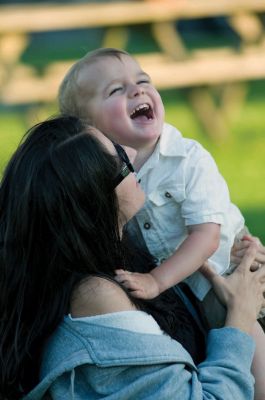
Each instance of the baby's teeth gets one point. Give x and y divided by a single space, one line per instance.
140 107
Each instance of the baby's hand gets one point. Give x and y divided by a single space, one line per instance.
142 286
239 249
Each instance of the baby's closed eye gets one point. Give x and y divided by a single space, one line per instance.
115 90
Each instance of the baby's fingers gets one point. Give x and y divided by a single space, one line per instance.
122 276
131 285
240 245
250 238
138 293
120 271
129 281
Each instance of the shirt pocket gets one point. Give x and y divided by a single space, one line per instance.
164 195
166 209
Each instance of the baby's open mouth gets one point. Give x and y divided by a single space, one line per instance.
143 110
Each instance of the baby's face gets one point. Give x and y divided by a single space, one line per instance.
122 102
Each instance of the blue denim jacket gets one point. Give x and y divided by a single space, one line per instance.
86 362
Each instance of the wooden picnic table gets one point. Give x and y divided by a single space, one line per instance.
173 67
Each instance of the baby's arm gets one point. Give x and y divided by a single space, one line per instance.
202 241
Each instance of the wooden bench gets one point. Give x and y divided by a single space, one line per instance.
26 18
173 67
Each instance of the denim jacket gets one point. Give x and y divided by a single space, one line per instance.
82 361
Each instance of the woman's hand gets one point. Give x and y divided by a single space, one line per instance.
240 247
241 292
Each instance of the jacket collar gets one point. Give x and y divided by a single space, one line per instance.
78 343
113 346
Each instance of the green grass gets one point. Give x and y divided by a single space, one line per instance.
12 127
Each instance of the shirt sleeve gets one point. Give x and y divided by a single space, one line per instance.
225 374
206 192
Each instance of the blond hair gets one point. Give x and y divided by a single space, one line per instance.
71 95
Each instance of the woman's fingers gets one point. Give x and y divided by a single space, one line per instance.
235 260
207 270
260 257
260 272
248 258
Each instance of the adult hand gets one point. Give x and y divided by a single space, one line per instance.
240 247
241 292
142 286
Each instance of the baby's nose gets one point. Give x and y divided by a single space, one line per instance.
135 90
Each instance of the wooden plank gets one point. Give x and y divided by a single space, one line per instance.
210 71
35 18
248 26
25 87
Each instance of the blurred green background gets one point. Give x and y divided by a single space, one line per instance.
240 156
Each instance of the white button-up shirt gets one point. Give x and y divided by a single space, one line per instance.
184 187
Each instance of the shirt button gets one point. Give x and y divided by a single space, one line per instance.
147 225
168 195
162 260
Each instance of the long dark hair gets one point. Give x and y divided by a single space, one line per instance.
58 224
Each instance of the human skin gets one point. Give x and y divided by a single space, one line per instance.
112 102
112 97
130 194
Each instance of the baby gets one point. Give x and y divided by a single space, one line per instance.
188 217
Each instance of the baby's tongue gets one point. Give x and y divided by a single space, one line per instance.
140 118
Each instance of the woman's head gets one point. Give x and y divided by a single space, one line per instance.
60 221
66 179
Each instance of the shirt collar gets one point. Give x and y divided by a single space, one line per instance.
171 142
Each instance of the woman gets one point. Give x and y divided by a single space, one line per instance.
68 330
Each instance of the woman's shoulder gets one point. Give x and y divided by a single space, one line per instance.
98 295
